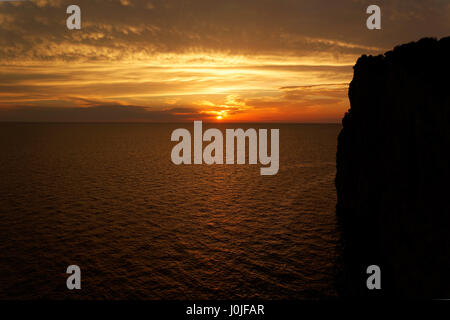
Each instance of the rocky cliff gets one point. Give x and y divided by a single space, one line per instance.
393 177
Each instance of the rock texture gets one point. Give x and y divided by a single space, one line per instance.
393 177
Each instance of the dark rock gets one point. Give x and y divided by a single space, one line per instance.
393 177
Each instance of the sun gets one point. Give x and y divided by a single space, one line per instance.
219 117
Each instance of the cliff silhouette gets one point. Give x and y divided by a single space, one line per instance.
393 177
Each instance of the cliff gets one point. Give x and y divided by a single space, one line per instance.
393 172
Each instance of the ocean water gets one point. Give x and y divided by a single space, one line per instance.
107 197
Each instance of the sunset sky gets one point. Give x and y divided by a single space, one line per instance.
161 60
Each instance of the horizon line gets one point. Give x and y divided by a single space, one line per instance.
160 122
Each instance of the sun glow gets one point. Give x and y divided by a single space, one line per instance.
238 91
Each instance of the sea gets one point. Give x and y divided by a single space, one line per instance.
107 198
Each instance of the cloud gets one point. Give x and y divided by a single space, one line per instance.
114 29
126 2
101 113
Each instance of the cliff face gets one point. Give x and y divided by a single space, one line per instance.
393 177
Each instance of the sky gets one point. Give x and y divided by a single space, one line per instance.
184 60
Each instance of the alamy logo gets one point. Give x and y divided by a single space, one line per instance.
74 280
74 20
213 152
374 280
374 20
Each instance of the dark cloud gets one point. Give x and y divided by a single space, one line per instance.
117 29
102 113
